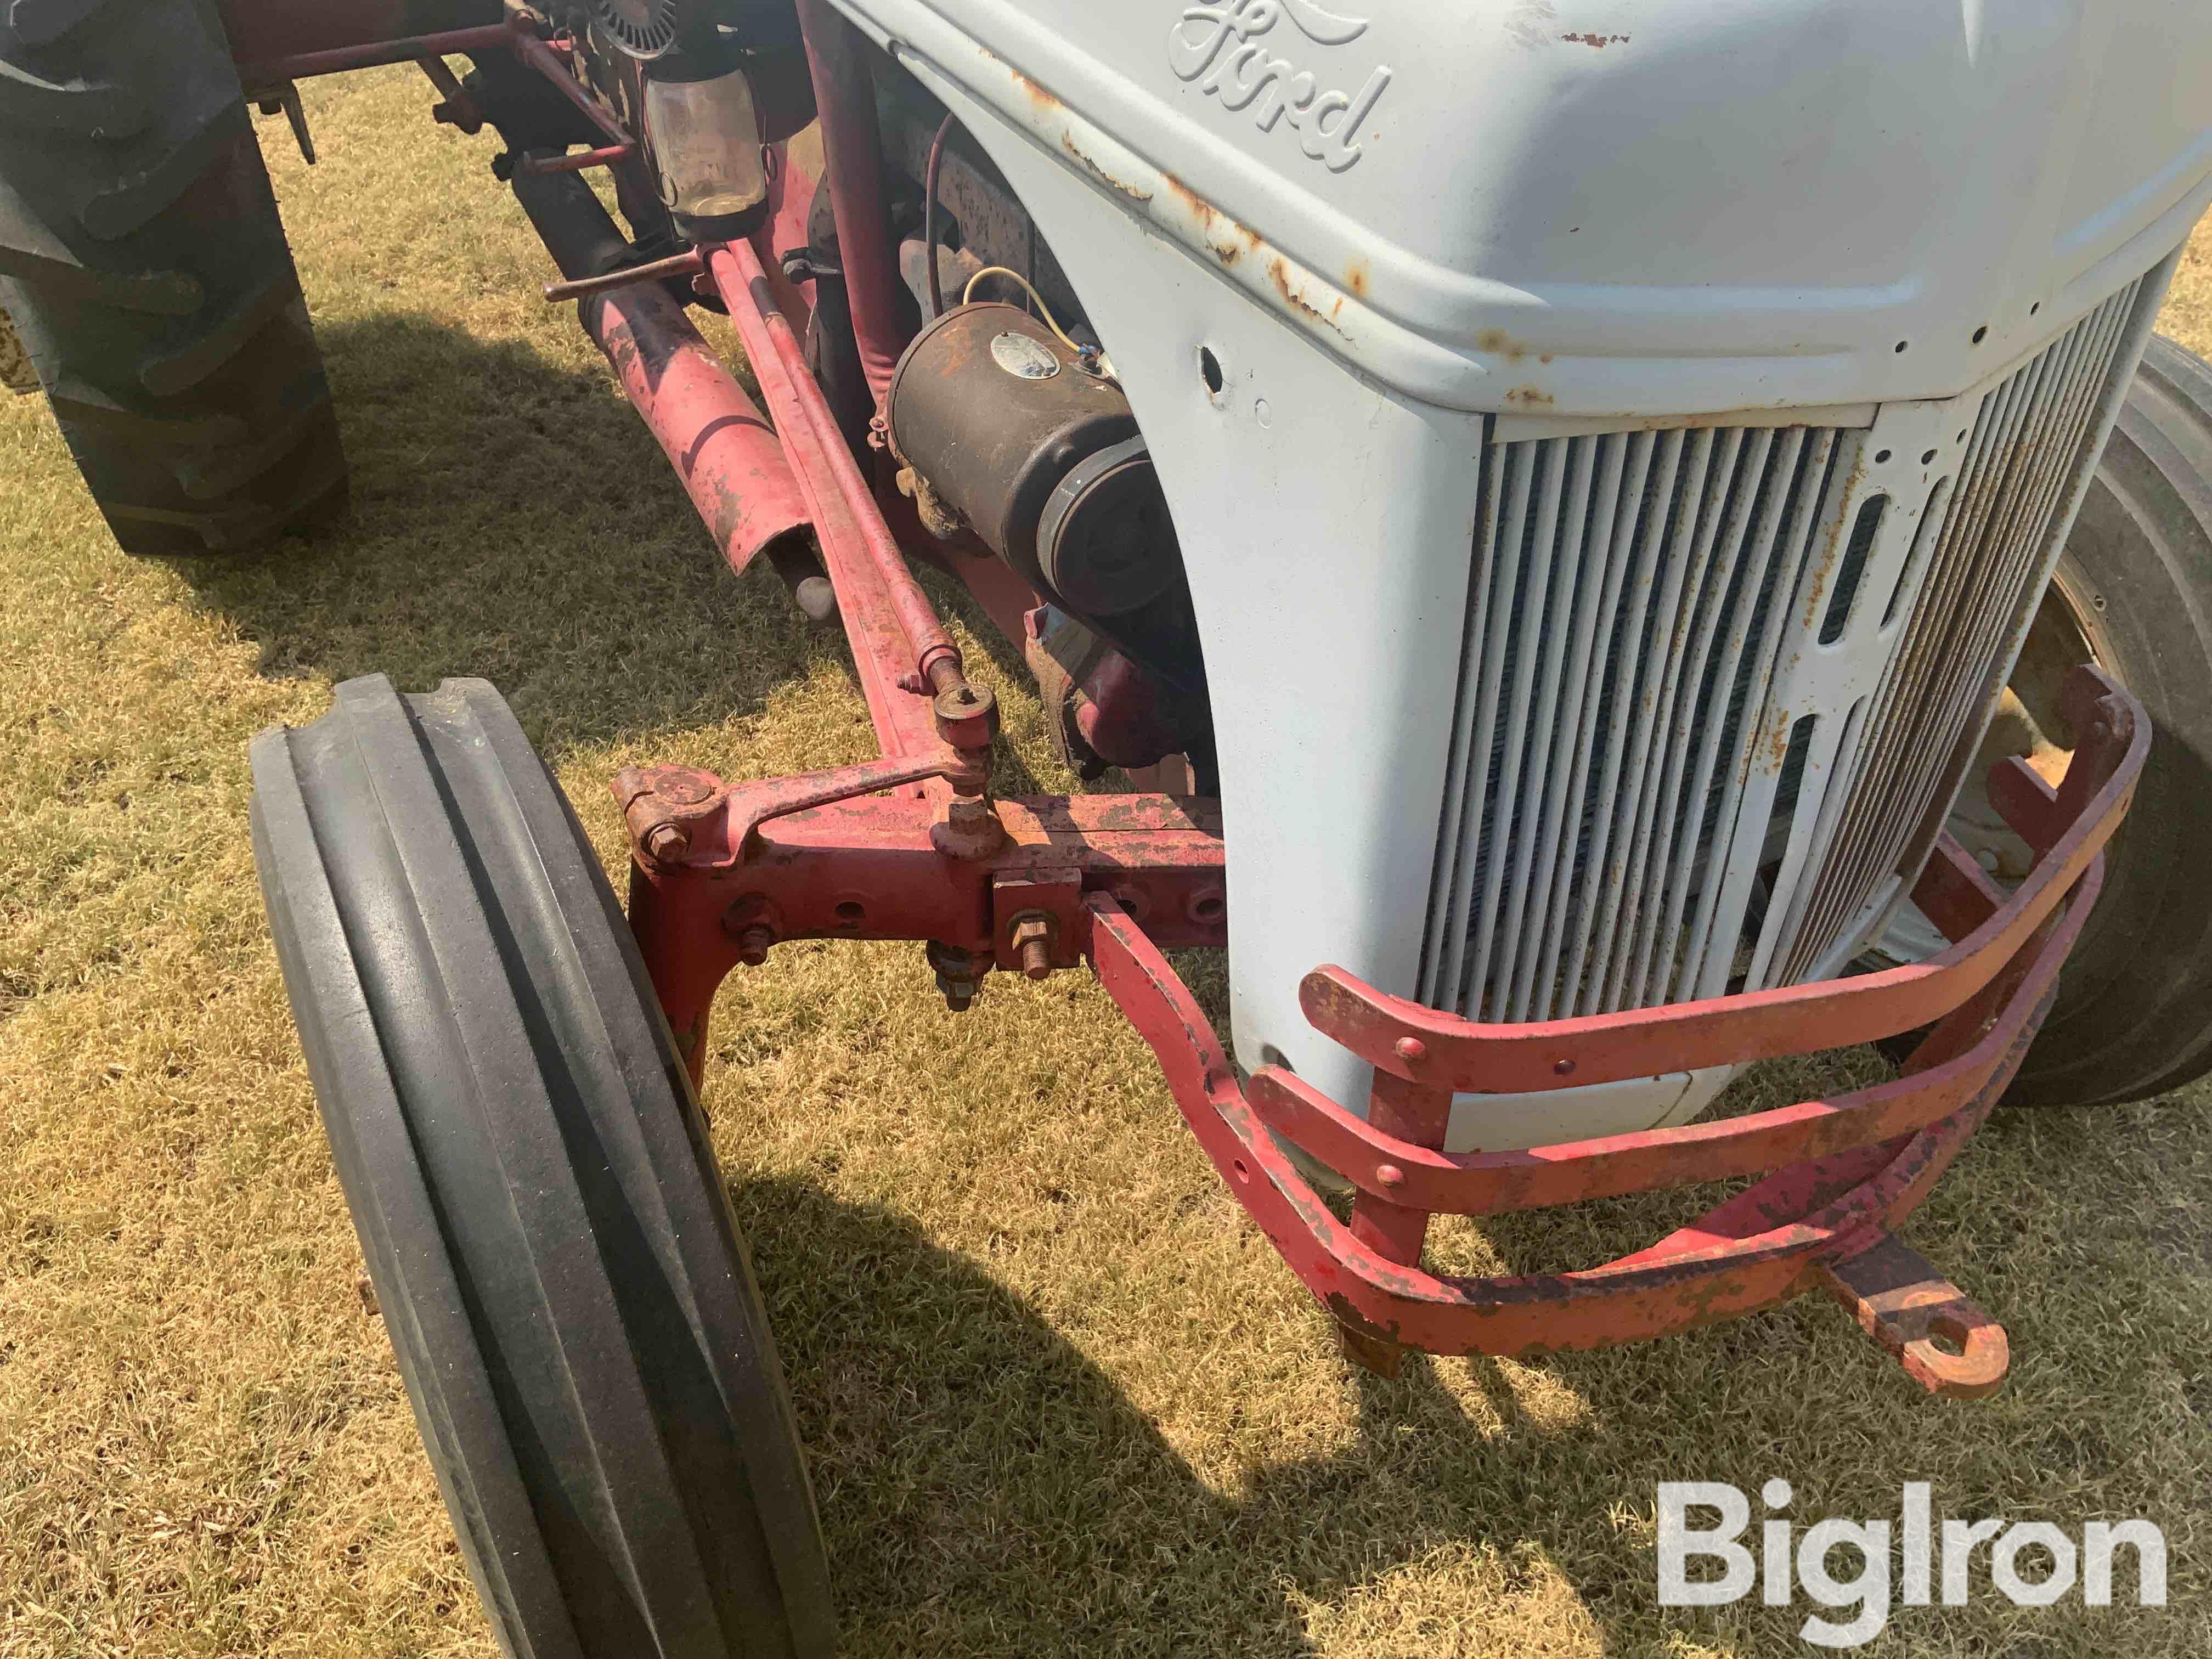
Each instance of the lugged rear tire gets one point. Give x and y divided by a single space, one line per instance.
2133 1016
145 266
551 1246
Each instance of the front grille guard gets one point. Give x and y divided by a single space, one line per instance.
1843 1172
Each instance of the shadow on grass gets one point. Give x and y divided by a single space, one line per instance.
986 1488
512 519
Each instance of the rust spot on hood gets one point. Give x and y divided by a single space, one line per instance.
1529 396
1279 273
1135 193
1498 342
1598 42
1357 278
1041 98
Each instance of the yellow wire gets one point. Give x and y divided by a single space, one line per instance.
968 297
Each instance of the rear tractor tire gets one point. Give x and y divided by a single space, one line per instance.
2133 1017
550 1242
145 267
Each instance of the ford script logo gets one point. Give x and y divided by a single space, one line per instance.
1223 48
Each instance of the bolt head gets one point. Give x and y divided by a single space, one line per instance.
1389 1175
682 788
753 945
668 841
1411 1049
1563 1068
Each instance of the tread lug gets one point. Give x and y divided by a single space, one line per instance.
96 109
41 22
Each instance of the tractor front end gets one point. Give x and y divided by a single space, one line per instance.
1583 525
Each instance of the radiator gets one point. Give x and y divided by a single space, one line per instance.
1718 685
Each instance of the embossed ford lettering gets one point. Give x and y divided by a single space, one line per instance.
1218 45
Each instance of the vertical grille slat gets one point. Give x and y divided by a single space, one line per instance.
1516 965
1643 802
1702 505
1563 828
1578 913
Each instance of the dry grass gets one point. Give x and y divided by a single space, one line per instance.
1060 1397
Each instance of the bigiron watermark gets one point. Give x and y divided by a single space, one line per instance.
2032 1564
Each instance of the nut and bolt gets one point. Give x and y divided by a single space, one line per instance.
969 828
667 842
1412 1050
753 945
959 975
1032 942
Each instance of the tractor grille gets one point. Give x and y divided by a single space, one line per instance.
1641 807
1987 574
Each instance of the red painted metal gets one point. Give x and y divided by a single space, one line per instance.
1907 1306
270 68
555 67
1488 1183
787 229
515 36
578 160
357 34
720 445
867 249
688 263
871 867
894 634
1850 1170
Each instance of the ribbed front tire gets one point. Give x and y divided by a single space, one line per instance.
145 267
552 1247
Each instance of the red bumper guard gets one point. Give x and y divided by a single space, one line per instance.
1845 1171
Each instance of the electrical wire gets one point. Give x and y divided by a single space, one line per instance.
929 216
1043 310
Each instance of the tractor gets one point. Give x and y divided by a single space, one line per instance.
1588 544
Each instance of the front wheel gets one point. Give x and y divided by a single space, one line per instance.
551 1244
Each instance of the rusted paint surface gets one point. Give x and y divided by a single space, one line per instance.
1952 1071
1831 547
1904 1304
1135 193
730 461
1599 41
1499 344
1760 1249
1294 295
